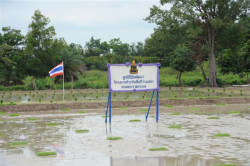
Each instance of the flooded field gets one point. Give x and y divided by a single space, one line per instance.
184 135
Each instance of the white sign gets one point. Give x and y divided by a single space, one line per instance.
146 77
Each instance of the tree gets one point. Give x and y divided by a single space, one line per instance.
39 45
213 15
11 70
118 47
182 61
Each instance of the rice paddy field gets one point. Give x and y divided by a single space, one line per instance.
186 135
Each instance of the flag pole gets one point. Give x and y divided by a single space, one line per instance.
63 82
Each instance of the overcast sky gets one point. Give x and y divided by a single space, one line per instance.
78 20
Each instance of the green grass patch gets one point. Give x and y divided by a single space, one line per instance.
175 126
66 109
2 112
176 113
32 118
13 115
194 109
82 131
213 117
82 112
46 154
10 103
18 143
114 138
234 112
220 104
222 135
143 110
0 135
124 107
169 106
135 120
225 165
53 124
158 149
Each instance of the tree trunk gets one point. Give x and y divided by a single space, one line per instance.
72 82
179 79
248 80
203 73
212 60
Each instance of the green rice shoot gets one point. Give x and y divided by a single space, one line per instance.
222 135
123 107
213 117
176 113
82 131
46 154
14 114
143 110
234 112
194 109
114 138
82 112
134 120
53 124
2 112
169 106
18 143
220 104
175 126
66 109
32 118
158 149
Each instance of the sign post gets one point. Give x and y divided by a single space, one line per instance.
132 77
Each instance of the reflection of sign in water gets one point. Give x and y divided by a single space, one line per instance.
146 77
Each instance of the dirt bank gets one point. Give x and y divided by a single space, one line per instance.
118 104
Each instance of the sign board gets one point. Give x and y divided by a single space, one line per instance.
132 77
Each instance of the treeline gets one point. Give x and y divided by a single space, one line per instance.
187 35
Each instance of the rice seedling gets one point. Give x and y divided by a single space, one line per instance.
82 131
46 154
14 114
143 110
123 107
176 113
53 124
114 138
234 112
174 126
18 143
169 106
213 117
32 118
2 112
222 135
194 109
158 149
82 112
135 120
220 104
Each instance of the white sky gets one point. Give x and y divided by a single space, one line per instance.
78 20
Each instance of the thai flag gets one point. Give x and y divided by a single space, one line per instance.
56 71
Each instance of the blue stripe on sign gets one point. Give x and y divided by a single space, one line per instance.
60 68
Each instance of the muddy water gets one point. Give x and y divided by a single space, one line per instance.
192 145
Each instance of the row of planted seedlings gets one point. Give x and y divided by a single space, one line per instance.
102 94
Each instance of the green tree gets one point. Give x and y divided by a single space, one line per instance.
118 47
39 46
11 43
213 15
182 61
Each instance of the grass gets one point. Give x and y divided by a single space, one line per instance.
169 106
135 120
82 112
213 117
158 149
2 112
175 126
66 109
234 112
46 154
0 135
114 138
176 113
124 107
194 109
82 131
18 143
143 110
222 135
220 104
53 124
10 103
13 114
32 118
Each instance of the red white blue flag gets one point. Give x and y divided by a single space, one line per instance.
56 71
